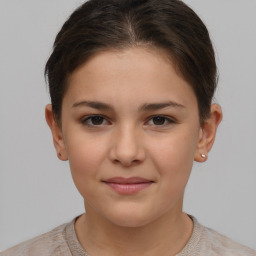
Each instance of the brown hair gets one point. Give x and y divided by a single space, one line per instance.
117 24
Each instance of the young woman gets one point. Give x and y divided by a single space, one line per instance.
131 85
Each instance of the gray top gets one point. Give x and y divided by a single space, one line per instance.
62 241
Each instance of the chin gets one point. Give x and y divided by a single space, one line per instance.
132 218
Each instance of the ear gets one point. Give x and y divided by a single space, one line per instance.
57 136
207 133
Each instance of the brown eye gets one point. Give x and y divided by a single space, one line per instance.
97 120
94 120
158 120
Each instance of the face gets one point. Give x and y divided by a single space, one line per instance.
130 130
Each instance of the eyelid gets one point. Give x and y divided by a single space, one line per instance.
84 119
169 119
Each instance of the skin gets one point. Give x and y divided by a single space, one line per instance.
129 142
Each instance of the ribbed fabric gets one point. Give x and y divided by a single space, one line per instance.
62 241
72 241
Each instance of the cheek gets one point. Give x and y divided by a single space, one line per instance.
173 157
173 160
85 157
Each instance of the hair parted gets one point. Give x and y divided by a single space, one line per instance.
99 25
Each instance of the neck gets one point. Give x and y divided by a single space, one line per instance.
167 235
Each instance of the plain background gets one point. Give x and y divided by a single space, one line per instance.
36 189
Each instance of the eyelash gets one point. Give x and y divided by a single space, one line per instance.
85 120
88 118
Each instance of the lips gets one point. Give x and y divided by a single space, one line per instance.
128 185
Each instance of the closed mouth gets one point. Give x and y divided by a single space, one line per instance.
128 185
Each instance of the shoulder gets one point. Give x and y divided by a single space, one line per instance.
205 241
217 244
52 243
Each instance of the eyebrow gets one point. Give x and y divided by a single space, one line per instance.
157 106
93 104
145 107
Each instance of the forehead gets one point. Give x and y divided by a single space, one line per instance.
141 74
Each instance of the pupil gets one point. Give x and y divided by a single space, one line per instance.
97 120
158 120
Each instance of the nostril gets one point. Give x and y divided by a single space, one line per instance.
126 163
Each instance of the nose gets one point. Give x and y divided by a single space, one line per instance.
127 148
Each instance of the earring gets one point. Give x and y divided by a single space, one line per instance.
203 155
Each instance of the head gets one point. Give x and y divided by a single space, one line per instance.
131 85
169 25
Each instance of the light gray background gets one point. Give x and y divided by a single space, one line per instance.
36 189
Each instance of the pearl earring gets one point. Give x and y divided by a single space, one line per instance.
203 155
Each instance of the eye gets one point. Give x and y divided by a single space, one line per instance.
94 120
160 121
